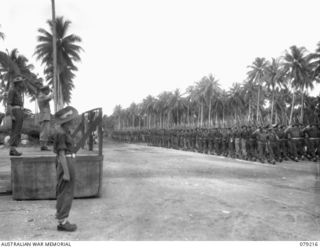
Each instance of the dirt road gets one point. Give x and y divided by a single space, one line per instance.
154 193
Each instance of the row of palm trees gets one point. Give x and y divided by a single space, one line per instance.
274 91
13 63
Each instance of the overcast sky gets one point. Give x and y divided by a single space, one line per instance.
138 47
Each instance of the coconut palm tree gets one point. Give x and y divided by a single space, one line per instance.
164 107
13 64
299 73
148 104
176 104
210 91
202 93
236 102
257 75
315 63
117 114
68 52
195 103
132 111
249 90
274 78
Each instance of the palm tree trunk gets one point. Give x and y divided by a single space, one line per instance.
188 115
223 115
60 101
177 115
54 40
292 107
272 105
209 112
201 123
199 116
258 104
249 114
302 106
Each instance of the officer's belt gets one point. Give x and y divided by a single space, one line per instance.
17 107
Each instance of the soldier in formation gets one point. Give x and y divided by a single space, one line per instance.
269 143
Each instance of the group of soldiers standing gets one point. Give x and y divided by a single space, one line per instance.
269 143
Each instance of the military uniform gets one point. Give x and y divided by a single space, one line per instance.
64 147
44 117
15 104
313 141
294 140
251 145
237 137
231 146
283 142
261 137
244 137
272 146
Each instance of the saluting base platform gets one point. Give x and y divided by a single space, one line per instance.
32 176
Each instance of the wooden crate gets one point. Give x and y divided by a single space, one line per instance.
34 177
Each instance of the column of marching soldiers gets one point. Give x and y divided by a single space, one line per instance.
269 143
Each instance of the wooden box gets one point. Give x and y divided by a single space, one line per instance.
34 177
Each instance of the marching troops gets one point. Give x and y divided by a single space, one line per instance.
269 143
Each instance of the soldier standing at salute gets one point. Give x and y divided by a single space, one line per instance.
237 144
64 148
294 140
244 137
261 137
283 146
15 109
44 97
273 139
251 144
313 140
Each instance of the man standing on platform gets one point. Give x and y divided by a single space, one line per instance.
15 109
44 97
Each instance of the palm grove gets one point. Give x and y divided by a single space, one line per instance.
274 91
12 63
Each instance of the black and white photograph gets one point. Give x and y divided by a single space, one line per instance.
159 120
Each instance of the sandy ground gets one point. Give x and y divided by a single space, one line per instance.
152 193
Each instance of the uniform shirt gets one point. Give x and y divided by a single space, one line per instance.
244 134
281 134
15 97
237 133
63 142
294 132
312 132
260 135
272 136
44 106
